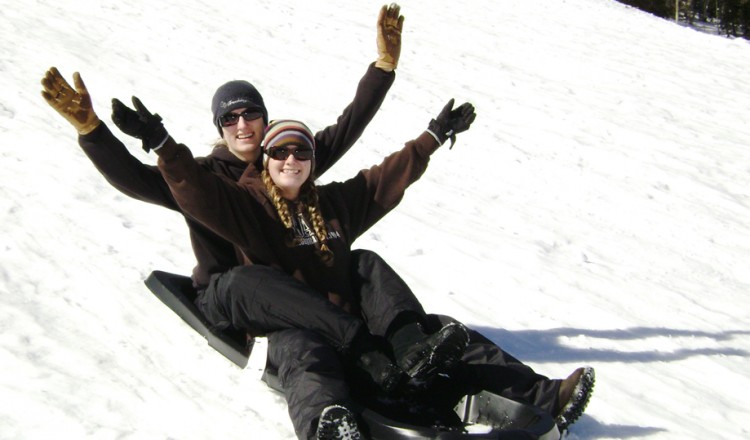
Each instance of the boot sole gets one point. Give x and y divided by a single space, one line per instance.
337 423
575 407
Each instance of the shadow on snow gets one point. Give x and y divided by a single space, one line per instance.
549 346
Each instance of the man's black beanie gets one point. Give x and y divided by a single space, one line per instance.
233 95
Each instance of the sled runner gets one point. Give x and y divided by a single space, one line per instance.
434 415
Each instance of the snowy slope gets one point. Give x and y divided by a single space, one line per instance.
596 213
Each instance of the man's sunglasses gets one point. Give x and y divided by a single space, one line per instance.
229 119
282 153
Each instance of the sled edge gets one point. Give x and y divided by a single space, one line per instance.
174 290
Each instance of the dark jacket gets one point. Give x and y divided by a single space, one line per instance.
244 214
145 183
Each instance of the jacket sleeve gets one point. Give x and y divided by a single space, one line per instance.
374 192
123 171
217 202
334 141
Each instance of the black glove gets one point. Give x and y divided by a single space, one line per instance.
139 123
451 121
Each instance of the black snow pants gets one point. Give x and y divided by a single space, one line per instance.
485 366
311 374
307 334
261 299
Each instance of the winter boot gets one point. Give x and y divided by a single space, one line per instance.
421 355
374 364
575 392
337 422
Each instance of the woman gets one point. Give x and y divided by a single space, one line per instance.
283 220
218 262
277 220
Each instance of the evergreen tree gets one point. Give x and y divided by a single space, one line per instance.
733 15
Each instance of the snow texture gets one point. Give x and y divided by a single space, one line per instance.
597 213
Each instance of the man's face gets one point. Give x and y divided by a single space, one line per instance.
243 136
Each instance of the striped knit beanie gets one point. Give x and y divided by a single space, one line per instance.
282 129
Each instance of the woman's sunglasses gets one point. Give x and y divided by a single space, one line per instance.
229 119
300 152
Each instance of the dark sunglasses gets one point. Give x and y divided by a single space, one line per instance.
229 119
282 153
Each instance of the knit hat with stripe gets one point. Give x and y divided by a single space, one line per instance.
282 129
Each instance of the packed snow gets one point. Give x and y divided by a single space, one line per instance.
597 212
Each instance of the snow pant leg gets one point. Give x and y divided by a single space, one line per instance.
260 299
486 366
311 373
382 293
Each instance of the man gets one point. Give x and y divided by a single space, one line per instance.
236 107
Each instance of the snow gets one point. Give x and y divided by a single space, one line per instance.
597 212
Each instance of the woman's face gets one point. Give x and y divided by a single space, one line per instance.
290 173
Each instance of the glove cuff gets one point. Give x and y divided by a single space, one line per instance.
386 62
441 133
161 144
156 136
88 126
432 133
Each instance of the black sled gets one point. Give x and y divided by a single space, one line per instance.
482 415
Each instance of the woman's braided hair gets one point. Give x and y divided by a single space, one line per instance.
308 207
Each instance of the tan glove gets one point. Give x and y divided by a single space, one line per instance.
390 24
73 105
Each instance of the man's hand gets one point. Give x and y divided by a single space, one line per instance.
73 105
452 121
139 123
390 24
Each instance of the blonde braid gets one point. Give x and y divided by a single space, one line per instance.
309 203
281 205
319 225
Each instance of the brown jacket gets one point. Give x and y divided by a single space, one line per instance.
144 182
243 213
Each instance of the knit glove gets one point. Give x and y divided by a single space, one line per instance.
73 105
451 121
390 24
139 123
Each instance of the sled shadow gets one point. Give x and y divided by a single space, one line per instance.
552 345
588 428
549 345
